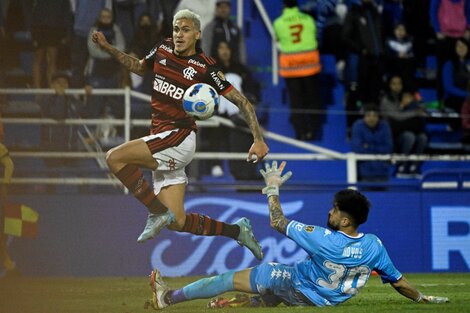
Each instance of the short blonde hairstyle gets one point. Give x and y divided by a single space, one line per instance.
190 15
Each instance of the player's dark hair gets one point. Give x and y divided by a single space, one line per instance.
353 203
290 3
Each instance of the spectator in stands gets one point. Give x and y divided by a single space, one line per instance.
407 121
299 64
392 14
456 76
418 25
7 163
221 28
17 36
321 11
102 70
371 135
106 135
465 118
400 57
127 14
85 14
362 38
451 21
147 34
51 24
163 11
333 29
238 140
362 33
59 106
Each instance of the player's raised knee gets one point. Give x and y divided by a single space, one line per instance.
112 158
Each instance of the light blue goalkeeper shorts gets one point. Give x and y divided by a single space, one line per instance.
274 279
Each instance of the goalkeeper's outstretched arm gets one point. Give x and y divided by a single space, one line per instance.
276 216
405 288
274 179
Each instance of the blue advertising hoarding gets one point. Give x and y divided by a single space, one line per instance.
96 235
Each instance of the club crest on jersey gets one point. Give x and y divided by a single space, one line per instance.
197 63
189 73
309 228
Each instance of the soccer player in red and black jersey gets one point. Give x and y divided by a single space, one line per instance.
177 64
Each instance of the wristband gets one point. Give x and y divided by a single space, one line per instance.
272 190
420 297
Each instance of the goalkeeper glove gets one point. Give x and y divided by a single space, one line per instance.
273 178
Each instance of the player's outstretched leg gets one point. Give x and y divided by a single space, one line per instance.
247 238
205 288
241 231
155 223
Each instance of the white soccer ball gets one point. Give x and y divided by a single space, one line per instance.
200 101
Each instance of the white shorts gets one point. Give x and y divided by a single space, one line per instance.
173 150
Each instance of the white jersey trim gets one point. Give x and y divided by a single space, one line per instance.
360 235
288 227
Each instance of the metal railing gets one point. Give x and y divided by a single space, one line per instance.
312 152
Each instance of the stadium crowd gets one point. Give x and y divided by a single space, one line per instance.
383 58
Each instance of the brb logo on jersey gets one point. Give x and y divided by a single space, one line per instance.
168 89
189 72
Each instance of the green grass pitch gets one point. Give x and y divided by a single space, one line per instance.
127 295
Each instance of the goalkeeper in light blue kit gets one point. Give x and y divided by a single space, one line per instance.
339 263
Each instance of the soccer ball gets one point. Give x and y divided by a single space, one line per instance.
200 101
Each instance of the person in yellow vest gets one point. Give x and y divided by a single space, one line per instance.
7 163
299 65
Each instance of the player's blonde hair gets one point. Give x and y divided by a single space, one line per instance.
190 15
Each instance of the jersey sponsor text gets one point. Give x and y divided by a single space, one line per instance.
217 80
168 89
197 63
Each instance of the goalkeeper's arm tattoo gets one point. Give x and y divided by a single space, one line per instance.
247 110
131 63
278 221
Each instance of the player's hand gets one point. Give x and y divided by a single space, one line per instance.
257 152
99 39
273 178
434 299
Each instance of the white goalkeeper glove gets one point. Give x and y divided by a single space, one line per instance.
273 178
431 299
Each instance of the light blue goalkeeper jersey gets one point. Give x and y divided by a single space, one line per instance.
338 265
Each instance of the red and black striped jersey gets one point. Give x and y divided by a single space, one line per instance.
173 75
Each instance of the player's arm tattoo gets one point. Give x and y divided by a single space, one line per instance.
133 64
278 221
247 110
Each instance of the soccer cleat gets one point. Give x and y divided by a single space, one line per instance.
247 239
159 291
155 223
